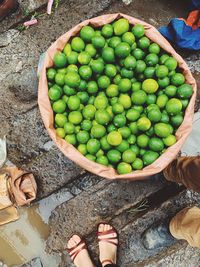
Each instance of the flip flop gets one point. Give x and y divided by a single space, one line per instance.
108 239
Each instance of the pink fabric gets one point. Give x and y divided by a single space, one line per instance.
49 6
30 22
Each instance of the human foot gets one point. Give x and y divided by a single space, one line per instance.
78 252
108 242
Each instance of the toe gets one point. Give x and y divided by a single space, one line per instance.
76 239
101 227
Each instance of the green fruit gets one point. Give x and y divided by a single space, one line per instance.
149 157
137 164
128 156
98 131
114 156
122 50
114 138
93 145
60 60
185 91
162 129
121 26
77 44
87 33
173 106
138 30
82 137
124 168
156 144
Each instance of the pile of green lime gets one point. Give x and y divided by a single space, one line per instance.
117 96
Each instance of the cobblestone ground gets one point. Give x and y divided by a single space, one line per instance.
91 199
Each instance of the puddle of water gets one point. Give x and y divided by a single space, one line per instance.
25 239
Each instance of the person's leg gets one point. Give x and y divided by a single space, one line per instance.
78 252
186 171
108 242
186 225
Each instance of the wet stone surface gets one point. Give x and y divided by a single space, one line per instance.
88 199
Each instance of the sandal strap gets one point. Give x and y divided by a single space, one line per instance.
107 240
109 261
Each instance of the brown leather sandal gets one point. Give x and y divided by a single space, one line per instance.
108 239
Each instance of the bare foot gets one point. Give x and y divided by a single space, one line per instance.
108 251
82 259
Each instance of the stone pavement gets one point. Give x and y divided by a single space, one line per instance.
92 199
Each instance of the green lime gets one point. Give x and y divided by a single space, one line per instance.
83 96
110 112
87 33
101 102
72 58
60 60
104 143
163 58
156 144
138 30
89 112
173 106
111 128
108 54
93 145
69 91
75 117
121 26
85 72
142 140
162 129
119 120
151 99
154 115
149 72
144 42
113 156
122 50
123 146
133 127
138 53
102 160
117 108
162 71
65 98
73 103
60 79
130 62
170 140
107 30
113 100
97 66
51 73
91 50
163 82
125 132
112 90
135 149
161 101
177 120
103 82
143 124
140 66
90 157
185 91
171 63
124 168
98 41
86 125
132 114
91 100
136 86
149 157
164 118
152 106
60 120
137 164
69 128
60 132
170 90
84 58
82 148
150 132
139 97
82 137
114 41
125 73
71 68
131 139
114 138
110 70
55 93
67 49
125 101
100 153
71 139
124 85
128 156
177 79
142 152
77 44
154 48
98 131
150 86
92 87
129 38
102 117
59 106
72 79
